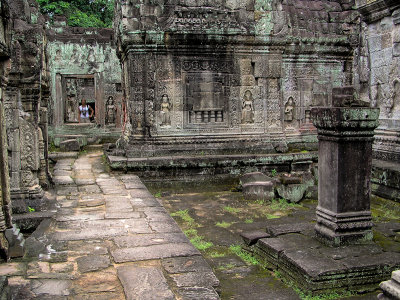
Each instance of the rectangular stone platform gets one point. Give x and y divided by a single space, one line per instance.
292 251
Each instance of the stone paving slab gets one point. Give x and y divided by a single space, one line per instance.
109 239
144 283
153 252
144 240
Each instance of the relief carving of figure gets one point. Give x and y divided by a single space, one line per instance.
247 108
165 112
289 110
71 103
110 110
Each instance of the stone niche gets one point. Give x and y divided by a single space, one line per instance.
232 77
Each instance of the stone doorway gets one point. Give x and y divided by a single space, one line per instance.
74 89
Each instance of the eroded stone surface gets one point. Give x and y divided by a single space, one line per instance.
144 283
98 228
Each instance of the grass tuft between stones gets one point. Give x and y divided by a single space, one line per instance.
245 256
224 224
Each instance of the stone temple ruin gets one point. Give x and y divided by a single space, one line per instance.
207 88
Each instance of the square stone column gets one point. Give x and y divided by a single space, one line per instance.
345 137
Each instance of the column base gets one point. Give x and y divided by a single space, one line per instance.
340 229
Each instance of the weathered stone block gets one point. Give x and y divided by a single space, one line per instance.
259 190
70 145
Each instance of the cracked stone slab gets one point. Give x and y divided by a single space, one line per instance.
130 178
63 180
62 173
89 189
165 226
91 203
190 279
104 281
51 287
158 216
154 252
144 240
145 283
177 265
145 202
80 217
93 263
113 191
134 185
131 225
80 248
141 193
84 181
12 269
94 233
67 190
195 293
123 215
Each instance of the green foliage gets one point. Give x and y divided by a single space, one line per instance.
249 221
269 216
80 13
226 267
246 257
184 215
274 172
216 254
282 204
158 195
232 210
189 224
224 224
200 243
30 209
197 240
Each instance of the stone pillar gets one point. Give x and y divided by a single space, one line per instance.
345 134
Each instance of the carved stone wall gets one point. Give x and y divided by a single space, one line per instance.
234 70
83 65
378 66
25 103
5 201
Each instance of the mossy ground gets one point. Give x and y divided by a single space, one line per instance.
213 217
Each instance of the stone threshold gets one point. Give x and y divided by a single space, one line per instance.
291 250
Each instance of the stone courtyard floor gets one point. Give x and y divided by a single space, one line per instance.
109 239
213 216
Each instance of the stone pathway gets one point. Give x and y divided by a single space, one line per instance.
110 239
